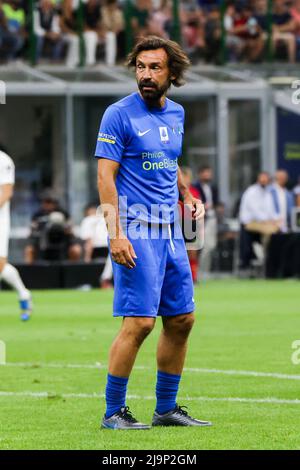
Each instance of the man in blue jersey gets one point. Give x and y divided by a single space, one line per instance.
138 147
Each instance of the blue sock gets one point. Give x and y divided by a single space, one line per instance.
166 391
24 304
115 394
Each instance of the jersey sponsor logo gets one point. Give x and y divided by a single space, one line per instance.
109 139
164 136
140 133
160 154
166 163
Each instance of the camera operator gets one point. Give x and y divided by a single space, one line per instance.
52 237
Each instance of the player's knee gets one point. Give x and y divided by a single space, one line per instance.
188 323
146 325
142 328
183 324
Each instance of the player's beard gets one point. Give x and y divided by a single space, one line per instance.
152 96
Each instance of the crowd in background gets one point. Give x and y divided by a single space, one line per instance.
56 25
265 209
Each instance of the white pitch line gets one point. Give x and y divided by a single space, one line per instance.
270 400
52 365
248 373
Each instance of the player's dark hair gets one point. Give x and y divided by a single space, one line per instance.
178 60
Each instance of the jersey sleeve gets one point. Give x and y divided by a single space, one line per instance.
111 137
7 172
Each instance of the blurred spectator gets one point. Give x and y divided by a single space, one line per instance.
282 199
213 33
7 43
91 29
227 234
51 235
295 12
140 15
113 26
208 191
261 11
93 232
161 19
69 28
296 192
12 28
258 219
284 28
192 254
209 196
193 27
224 229
246 34
208 5
47 29
233 42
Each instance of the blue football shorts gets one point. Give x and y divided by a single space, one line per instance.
161 283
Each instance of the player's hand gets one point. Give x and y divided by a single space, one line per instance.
122 252
196 206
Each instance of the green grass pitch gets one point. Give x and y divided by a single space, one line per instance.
239 371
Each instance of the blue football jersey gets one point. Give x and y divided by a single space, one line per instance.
147 143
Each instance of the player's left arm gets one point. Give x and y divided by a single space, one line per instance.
6 193
196 205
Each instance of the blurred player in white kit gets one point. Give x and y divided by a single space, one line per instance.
8 273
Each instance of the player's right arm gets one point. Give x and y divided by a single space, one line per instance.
121 249
111 145
6 193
